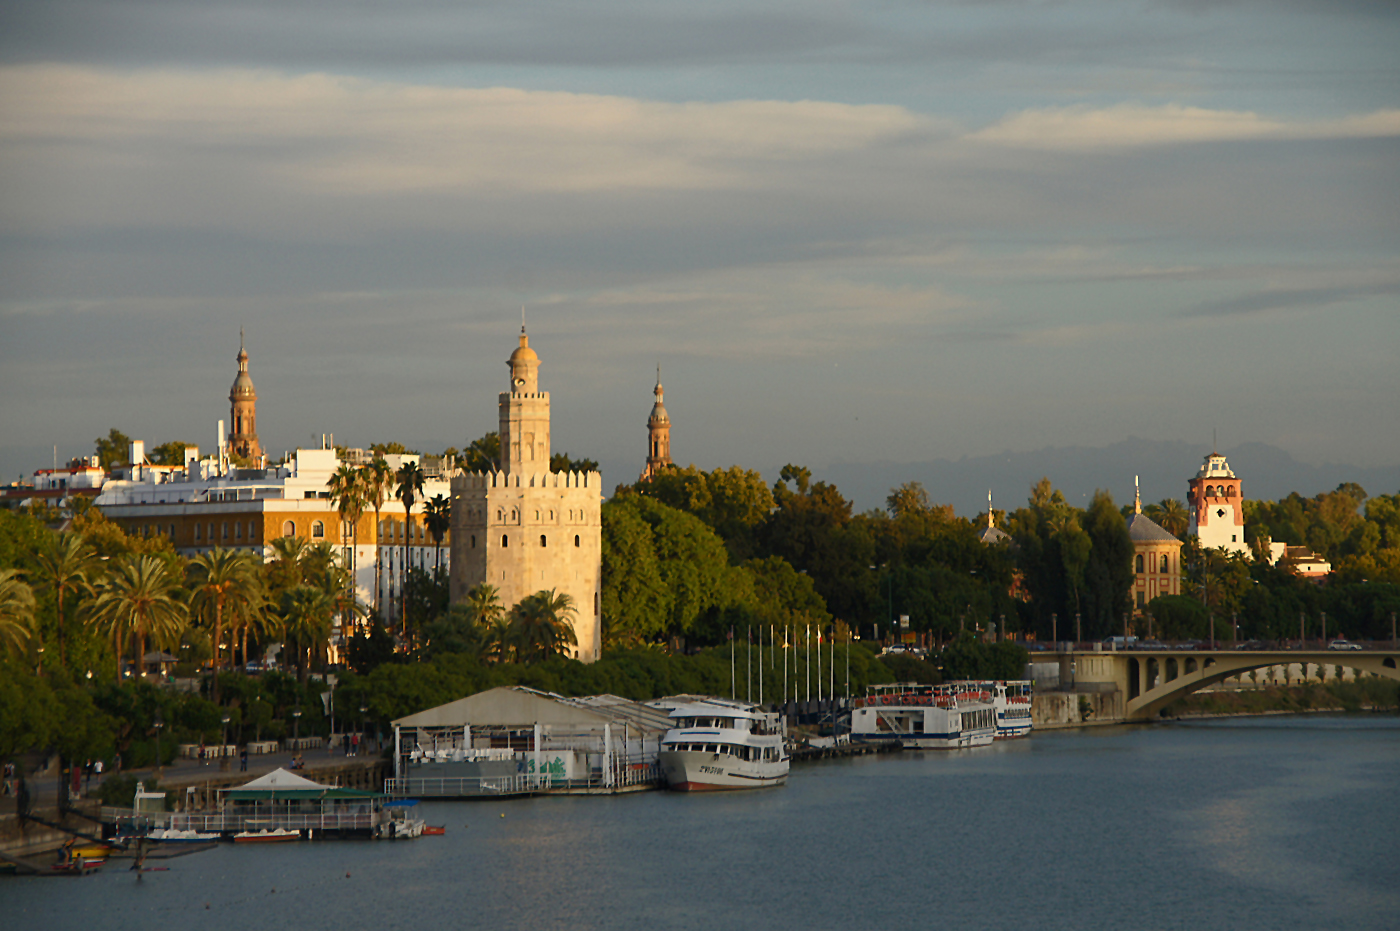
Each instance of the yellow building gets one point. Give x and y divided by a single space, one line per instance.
1156 558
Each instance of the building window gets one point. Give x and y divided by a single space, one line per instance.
172 531
238 530
211 531
542 543
198 531
505 540
1164 563
1139 563
576 540
318 529
473 541
289 529
1141 599
500 515
223 531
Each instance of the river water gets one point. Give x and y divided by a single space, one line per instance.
1244 823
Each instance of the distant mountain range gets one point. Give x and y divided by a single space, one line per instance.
1163 468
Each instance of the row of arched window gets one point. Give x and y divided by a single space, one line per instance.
1166 562
1220 491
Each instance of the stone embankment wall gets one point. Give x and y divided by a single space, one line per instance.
1050 710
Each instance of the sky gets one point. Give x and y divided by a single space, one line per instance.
889 231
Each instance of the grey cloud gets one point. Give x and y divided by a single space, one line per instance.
1264 301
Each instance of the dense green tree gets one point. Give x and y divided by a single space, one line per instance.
1179 617
734 502
484 454
113 449
563 462
1108 573
306 613
169 454
347 488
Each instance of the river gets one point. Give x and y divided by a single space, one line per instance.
1242 823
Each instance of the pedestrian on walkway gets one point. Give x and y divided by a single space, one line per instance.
243 760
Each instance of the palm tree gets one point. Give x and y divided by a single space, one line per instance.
375 478
65 563
332 581
287 568
1172 517
542 625
438 517
485 603
410 485
16 610
348 491
140 598
216 577
306 623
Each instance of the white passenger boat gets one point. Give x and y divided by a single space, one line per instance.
719 744
1012 700
926 717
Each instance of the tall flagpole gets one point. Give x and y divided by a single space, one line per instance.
731 661
748 662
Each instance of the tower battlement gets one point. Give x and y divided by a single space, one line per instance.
466 481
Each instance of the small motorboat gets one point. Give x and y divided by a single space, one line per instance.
434 829
172 835
265 836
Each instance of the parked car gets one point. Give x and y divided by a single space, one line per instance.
1340 644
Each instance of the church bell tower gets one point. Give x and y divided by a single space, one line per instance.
658 433
243 416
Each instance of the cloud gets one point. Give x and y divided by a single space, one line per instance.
1128 126
350 136
1290 299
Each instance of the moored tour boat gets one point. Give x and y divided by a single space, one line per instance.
926 717
718 744
1012 700
274 836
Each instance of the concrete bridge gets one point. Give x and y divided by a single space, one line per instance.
1149 680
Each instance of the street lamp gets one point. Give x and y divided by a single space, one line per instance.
223 747
296 725
158 723
363 739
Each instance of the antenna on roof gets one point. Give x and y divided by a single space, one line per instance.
522 318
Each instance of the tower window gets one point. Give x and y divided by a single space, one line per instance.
542 543
576 540
505 541
473 541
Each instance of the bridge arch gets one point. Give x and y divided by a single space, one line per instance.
1149 681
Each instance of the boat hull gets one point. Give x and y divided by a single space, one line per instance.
693 771
267 837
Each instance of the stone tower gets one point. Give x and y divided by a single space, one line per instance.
1217 511
523 528
243 417
658 433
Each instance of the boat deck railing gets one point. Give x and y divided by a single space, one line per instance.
230 823
623 776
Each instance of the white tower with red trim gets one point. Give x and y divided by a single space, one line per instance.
1217 507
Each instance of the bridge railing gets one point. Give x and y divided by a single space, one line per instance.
1272 646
